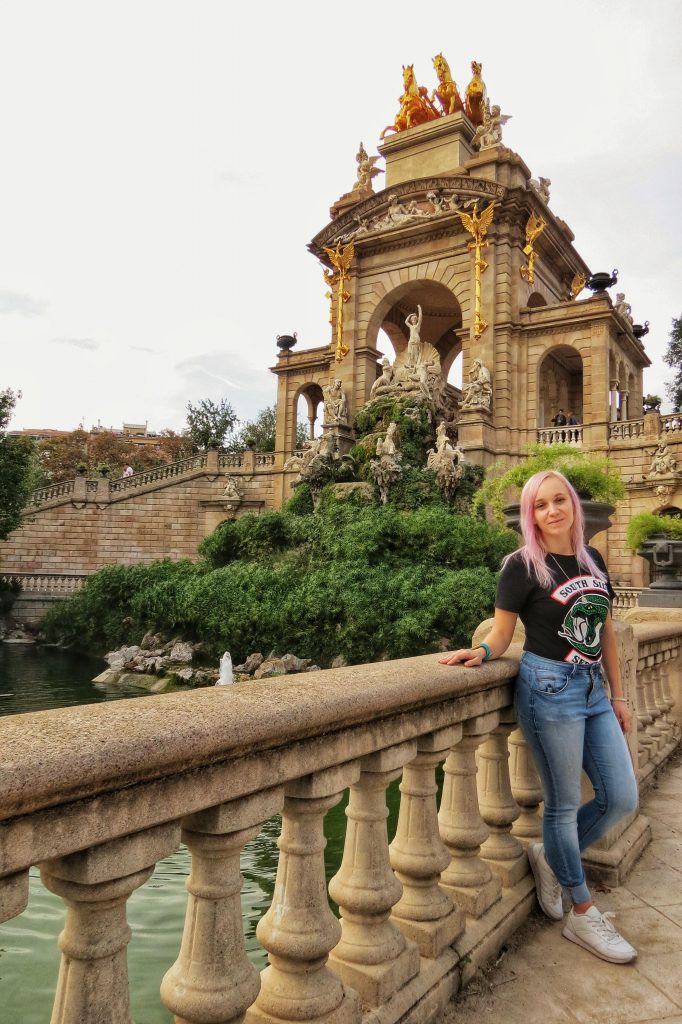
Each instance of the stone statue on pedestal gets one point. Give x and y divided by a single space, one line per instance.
446 462
335 404
541 186
664 462
386 468
489 133
478 393
623 307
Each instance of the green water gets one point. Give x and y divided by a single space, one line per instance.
35 679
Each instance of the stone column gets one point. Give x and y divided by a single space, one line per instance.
652 730
212 981
624 395
662 721
526 789
503 851
299 929
424 913
467 878
373 956
645 746
95 885
613 412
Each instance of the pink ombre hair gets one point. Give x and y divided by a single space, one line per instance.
533 550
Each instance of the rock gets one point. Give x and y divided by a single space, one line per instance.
206 677
314 668
270 667
293 664
444 644
339 661
119 659
181 651
184 674
138 681
253 662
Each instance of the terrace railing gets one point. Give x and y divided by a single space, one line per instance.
96 795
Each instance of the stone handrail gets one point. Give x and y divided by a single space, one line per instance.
96 795
167 472
266 459
626 597
671 423
47 582
561 435
52 491
627 428
229 461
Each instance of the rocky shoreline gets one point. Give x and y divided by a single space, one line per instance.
158 666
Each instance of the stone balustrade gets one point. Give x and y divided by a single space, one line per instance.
671 423
51 492
49 583
623 431
159 473
96 795
626 597
561 435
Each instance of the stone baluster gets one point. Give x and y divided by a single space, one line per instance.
95 885
652 729
212 981
662 721
299 929
373 956
467 878
669 665
424 913
526 789
624 395
502 850
645 744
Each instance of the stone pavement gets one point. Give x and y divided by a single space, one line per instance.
545 979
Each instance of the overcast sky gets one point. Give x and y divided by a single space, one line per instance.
165 162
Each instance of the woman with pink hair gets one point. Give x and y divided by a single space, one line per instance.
560 589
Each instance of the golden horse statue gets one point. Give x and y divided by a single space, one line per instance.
476 95
415 105
447 93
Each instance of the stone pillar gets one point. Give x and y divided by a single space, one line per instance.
80 488
103 492
299 929
424 913
373 956
95 885
526 789
212 980
624 395
467 878
613 412
502 850
212 461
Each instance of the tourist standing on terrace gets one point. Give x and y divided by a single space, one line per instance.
561 590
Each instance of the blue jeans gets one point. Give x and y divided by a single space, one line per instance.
569 724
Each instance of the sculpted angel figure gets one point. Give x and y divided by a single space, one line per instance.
366 170
663 462
489 133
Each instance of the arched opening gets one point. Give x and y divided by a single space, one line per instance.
441 325
560 385
308 422
536 300
672 511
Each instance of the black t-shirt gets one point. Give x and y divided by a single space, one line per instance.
564 622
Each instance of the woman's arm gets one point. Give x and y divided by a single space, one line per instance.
609 653
498 640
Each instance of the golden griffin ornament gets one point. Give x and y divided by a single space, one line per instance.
341 259
534 227
577 284
477 225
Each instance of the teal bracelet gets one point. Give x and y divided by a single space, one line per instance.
488 653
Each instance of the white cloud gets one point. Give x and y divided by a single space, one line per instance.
85 343
18 302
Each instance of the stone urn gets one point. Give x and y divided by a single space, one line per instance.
600 282
595 513
665 562
639 330
285 342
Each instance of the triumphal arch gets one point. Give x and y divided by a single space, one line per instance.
464 237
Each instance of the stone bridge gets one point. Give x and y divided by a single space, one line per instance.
96 795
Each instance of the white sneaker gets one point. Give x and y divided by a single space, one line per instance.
546 885
595 932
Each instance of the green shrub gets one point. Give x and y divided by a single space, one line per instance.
300 503
646 524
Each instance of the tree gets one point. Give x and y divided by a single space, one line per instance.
673 357
18 474
208 423
260 433
60 457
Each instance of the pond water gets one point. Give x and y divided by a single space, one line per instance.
36 679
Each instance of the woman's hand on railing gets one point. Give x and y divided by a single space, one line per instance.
472 657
